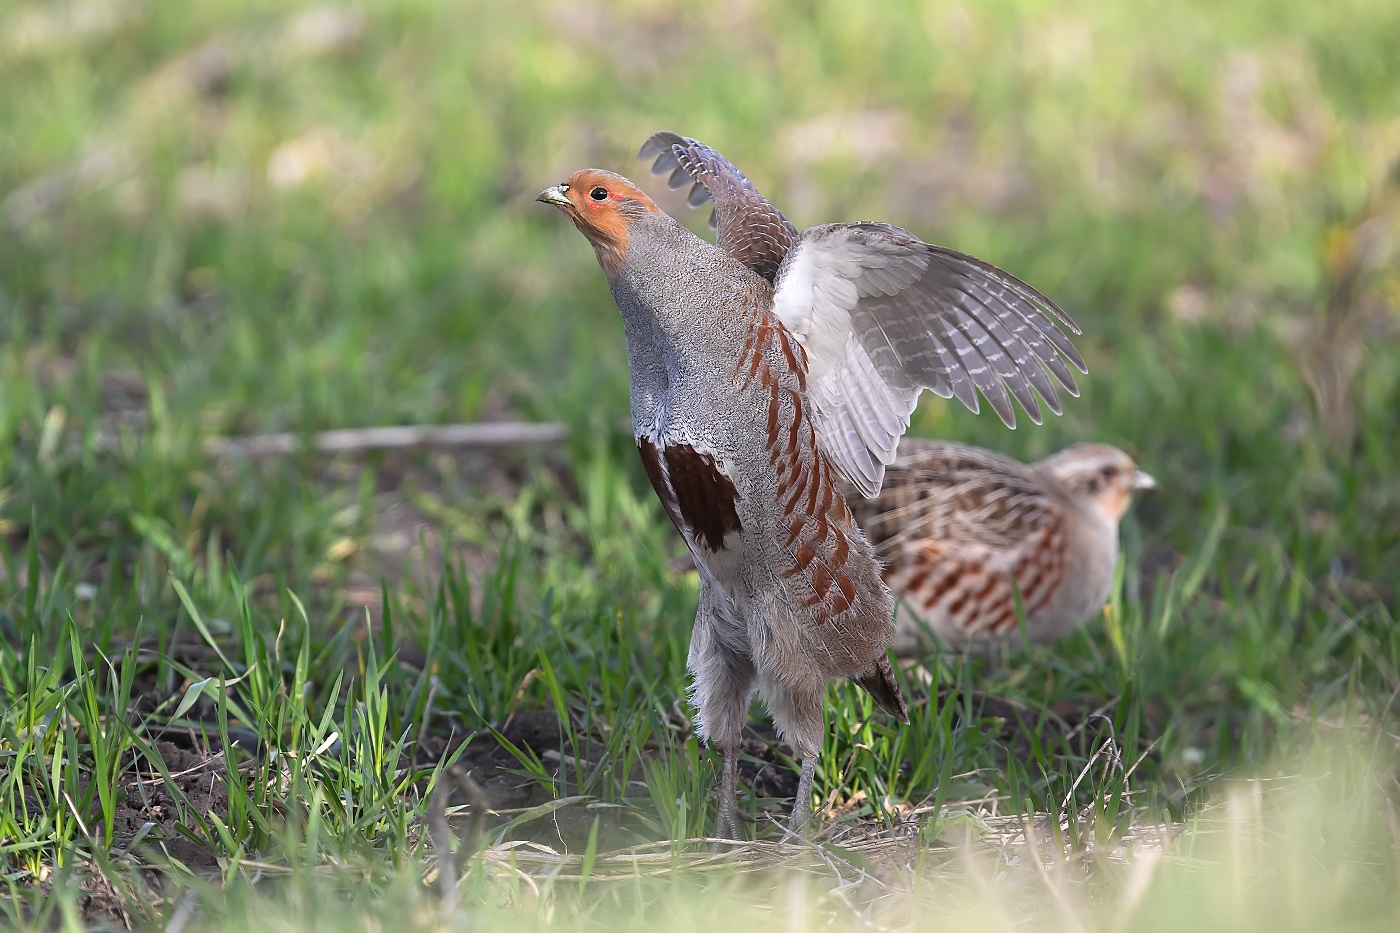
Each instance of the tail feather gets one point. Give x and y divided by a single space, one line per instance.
881 685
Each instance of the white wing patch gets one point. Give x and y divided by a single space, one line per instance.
859 416
883 316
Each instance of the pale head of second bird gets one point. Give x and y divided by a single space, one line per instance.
1100 475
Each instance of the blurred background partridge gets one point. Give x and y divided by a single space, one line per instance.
954 524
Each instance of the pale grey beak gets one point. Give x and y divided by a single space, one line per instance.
1143 480
555 196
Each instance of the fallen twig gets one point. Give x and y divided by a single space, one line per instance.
479 436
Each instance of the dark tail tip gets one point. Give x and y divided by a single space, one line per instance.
881 685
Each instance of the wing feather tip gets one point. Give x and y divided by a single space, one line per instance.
698 196
868 485
1069 385
657 142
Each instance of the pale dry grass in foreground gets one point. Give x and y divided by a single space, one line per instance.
1314 852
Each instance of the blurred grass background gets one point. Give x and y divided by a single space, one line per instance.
232 217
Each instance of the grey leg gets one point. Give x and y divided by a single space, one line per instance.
797 712
727 824
802 806
724 677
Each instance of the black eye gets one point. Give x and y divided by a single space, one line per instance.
599 193
1109 472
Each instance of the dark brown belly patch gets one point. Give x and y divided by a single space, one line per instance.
699 498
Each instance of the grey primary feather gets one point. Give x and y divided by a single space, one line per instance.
971 308
748 227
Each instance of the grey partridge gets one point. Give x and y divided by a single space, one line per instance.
763 369
955 525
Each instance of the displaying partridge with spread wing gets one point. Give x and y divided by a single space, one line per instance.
954 525
762 370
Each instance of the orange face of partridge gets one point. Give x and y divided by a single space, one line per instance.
603 206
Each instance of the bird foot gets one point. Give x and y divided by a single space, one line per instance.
727 820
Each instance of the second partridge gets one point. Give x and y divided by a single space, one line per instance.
955 525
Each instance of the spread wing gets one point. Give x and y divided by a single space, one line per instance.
963 498
883 316
747 226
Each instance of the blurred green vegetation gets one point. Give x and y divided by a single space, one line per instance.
230 217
